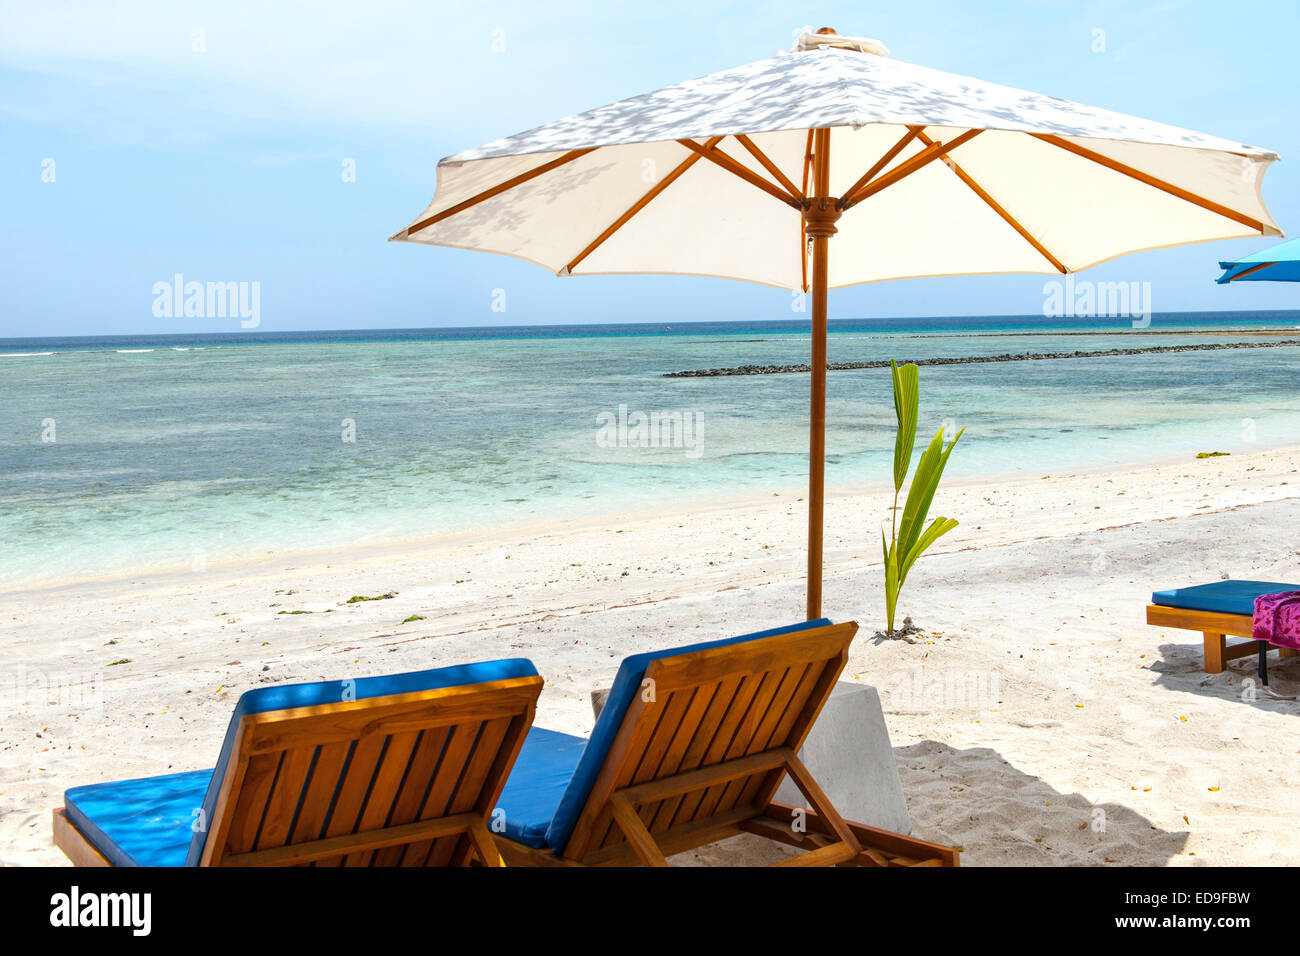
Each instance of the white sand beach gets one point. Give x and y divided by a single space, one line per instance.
1035 605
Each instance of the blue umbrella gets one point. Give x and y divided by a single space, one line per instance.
1281 263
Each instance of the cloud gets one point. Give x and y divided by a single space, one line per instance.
399 64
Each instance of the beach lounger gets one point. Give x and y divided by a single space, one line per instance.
1219 610
690 748
404 769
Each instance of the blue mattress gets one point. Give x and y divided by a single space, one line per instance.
555 772
1222 597
154 821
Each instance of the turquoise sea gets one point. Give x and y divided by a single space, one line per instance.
134 452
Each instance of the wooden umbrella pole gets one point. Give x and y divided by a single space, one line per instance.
819 216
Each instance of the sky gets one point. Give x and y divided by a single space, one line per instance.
140 139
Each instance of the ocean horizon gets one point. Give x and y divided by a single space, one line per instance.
974 324
136 452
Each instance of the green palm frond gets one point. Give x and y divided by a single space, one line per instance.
907 541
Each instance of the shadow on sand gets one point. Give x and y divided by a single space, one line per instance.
1181 669
998 815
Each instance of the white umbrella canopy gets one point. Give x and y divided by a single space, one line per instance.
746 174
1062 171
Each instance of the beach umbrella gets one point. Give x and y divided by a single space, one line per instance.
749 173
1281 263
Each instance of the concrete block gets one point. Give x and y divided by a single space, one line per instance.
849 755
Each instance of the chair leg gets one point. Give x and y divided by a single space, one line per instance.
1262 647
484 845
643 843
820 803
1215 646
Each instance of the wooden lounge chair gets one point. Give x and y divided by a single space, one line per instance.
404 769
690 748
1219 610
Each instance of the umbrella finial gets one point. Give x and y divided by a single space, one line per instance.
827 37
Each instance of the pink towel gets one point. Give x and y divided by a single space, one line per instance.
1277 619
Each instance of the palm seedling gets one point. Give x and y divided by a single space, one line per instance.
906 540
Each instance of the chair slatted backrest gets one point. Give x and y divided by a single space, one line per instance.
747 705
407 779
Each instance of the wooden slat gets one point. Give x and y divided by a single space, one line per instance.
438 801
640 204
725 726
762 739
471 783
890 843
357 777
250 807
596 817
672 763
906 168
340 782
770 166
285 797
701 738
484 845
79 850
705 776
383 789
831 855
786 733
691 807
407 802
993 204
714 799
222 820
1147 179
883 161
652 723
731 165
496 190
753 658
803 245
674 709
793 692
635 833
320 793
1237 625
686 836
356 844
398 714
820 803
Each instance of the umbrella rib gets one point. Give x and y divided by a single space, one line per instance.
993 204
721 159
1149 180
499 188
640 204
1246 272
803 243
883 161
907 167
770 166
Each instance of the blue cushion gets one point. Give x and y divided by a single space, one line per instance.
537 782
1223 597
139 822
133 815
626 686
